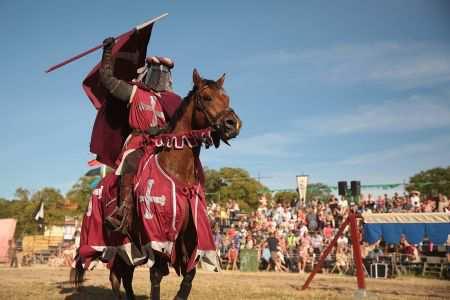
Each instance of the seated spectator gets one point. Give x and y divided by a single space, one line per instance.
317 243
306 240
328 231
375 253
342 260
342 241
280 263
249 242
428 206
409 251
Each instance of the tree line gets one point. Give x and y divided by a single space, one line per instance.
220 186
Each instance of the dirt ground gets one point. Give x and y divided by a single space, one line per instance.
42 282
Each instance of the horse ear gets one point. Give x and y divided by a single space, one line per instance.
221 80
196 78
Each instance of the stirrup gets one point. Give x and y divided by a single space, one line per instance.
112 221
123 226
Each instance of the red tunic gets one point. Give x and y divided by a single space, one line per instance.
147 109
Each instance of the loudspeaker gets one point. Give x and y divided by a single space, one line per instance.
342 188
356 188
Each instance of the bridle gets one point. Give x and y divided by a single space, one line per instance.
215 121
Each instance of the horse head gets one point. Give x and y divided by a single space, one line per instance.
212 109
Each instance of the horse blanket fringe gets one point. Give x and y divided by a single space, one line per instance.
162 202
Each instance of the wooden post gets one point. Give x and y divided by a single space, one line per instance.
325 254
354 232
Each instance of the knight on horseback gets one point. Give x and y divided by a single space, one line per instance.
151 103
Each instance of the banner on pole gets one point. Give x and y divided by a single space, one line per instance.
302 184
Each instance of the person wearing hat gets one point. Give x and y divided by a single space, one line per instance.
415 199
151 104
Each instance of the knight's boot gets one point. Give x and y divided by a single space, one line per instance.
127 206
185 286
122 217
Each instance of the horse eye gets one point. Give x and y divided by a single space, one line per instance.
207 98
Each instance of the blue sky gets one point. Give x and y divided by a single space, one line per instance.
337 90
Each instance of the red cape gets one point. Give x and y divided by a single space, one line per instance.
111 124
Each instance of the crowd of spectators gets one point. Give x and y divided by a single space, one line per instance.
291 236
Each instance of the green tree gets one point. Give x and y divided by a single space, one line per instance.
53 200
233 183
431 182
80 193
317 191
20 208
22 194
285 197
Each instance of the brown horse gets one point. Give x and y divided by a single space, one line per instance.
206 106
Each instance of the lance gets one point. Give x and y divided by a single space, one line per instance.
78 56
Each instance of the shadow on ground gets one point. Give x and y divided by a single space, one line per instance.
88 292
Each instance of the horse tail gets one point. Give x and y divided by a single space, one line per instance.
77 273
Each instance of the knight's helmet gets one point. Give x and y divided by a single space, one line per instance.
156 73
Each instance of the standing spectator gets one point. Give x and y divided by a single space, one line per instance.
302 229
272 244
443 202
217 240
12 254
301 217
311 218
303 254
291 240
380 203
236 208
232 258
266 257
224 218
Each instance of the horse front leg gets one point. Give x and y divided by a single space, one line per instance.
185 286
155 281
127 280
114 278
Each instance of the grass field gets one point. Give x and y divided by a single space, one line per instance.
51 283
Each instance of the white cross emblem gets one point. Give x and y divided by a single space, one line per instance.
148 198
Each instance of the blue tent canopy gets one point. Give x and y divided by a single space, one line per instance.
415 226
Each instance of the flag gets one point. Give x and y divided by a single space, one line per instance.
94 172
111 124
302 185
39 215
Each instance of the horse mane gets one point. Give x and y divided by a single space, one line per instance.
186 101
